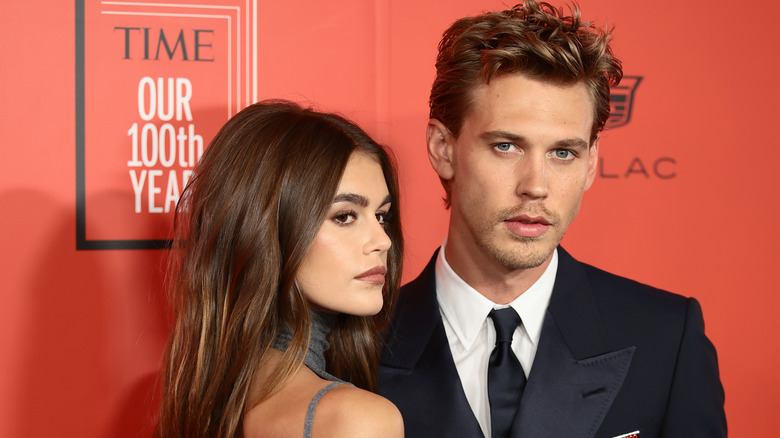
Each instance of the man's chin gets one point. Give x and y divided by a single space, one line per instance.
524 264
532 256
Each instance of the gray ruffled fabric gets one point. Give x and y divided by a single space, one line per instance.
315 356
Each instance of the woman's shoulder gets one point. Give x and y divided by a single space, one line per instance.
284 412
347 411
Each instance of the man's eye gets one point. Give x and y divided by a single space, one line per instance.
563 154
504 147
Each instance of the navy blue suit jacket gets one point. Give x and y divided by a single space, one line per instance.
615 356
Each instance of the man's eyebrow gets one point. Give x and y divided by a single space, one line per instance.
500 135
574 143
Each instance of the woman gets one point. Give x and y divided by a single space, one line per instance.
288 229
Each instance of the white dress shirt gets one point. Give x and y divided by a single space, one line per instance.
471 334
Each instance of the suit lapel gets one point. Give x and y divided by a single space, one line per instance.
417 371
575 375
574 380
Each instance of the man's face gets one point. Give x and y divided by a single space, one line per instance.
519 169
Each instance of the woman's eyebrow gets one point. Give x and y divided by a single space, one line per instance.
356 199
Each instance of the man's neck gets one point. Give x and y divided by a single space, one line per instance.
494 281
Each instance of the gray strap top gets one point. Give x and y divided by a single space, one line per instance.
314 358
313 405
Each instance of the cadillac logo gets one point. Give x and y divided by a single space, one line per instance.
621 100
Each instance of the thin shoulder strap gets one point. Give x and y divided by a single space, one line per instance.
313 405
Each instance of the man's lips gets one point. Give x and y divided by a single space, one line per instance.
375 275
528 226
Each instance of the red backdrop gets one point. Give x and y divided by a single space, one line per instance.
686 199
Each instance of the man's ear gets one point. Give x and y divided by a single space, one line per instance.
440 149
593 162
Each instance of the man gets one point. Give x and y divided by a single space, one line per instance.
504 333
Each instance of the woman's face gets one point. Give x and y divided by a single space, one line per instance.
344 270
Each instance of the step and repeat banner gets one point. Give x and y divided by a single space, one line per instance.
107 106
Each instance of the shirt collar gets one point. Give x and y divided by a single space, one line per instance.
466 309
532 304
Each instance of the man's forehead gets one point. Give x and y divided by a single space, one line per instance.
521 81
509 99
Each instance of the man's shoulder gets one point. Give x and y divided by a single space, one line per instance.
607 282
415 314
629 302
426 278
629 312
615 286
421 291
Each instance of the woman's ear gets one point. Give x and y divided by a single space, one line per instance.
440 149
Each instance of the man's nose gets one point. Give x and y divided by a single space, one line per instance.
532 177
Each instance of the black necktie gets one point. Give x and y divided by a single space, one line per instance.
506 378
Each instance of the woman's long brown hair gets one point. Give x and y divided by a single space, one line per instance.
248 216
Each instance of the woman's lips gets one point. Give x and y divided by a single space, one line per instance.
526 226
375 275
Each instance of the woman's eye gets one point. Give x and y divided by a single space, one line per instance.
382 218
345 218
